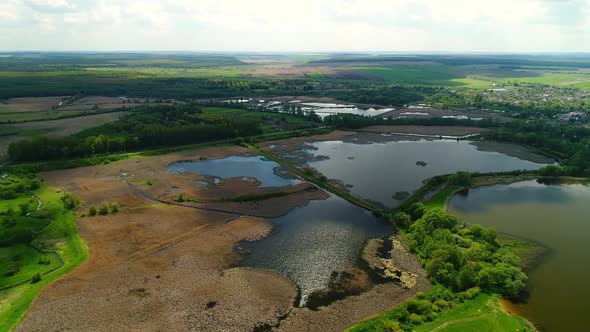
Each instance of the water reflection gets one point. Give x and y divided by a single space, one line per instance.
314 240
236 166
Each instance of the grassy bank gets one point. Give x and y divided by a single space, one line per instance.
29 269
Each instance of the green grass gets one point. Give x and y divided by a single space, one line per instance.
316 74
28 262
414 74
439 200
482 314
36 116
61 236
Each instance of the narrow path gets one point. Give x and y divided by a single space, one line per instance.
156 200
447 324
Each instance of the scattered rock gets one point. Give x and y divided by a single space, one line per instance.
388 264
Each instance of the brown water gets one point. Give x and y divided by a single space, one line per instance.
558 217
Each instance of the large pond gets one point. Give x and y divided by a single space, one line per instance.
558 217
379 170
314 240
265 171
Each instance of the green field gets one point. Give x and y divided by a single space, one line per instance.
15 117
22 259
413 74
480 77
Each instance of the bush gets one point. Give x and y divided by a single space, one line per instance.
36 278
70 202
92 211
114 207
180 198
104 209
44 260
390 326
416 319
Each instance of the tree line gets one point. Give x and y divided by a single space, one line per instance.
150 126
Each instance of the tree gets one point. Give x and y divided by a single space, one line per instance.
461 179
23 208
401 219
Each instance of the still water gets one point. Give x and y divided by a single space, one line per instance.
266 171
312 241
376 171
558 217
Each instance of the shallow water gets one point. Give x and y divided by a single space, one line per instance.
235 166
558 217
314 240
377 171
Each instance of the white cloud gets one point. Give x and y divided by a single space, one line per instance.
304 25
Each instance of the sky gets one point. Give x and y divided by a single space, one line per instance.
300 26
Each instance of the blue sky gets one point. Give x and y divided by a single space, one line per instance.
304 25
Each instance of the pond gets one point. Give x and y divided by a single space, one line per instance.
377 171
314 240
325 109
557 216
266 171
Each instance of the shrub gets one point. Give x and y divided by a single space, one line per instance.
104 209
44 260
70 202
36 278
389 325
114 207
92 211
416 319
180 198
